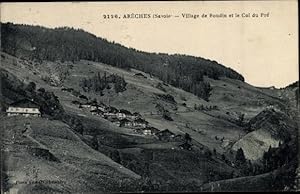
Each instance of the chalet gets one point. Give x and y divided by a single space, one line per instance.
122 114
25 108
83 97
97 112
140 75
111 109
86 105
93 105
165 135
140 123
147 131
115 121
67 89
186 146
134 116
109 115
126 123
101 106
110 112
178 137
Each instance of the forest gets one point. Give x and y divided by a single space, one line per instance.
69 44
98 83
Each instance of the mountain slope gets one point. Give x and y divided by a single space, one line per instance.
231 115
90 169
67 44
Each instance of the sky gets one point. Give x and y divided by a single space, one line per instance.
263 49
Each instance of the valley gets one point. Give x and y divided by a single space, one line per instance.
214 144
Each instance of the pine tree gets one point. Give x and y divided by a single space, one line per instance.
240 156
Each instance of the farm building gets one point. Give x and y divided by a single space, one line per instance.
178 137
111 109
110 112
115 121
126 123
97 112
134 116
101 106
140 75
147 131
122 114
24 107
165 135
140 123
186 146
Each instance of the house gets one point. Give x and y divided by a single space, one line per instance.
186 146
140 75
140 123
147 131
122 114
115 121
111 109
134 116
86 105
126 123
97 112
93 105
178 137
101 106
67 89
25 108
110 112
109 115
165 135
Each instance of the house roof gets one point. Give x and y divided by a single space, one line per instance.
185 145
25 103
153 129
91 103
125 120
102 104
97 111
139 75
136 114
165 132
140 120
112 109
125 111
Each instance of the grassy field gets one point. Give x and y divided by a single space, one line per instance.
74 157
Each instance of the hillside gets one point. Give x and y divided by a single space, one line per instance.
68 44
235 133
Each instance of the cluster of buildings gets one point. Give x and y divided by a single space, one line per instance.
124 118
121 118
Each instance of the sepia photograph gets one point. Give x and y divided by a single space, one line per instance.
149 97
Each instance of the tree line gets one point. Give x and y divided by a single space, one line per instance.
69 44
98 83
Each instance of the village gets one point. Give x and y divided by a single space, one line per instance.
118 117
